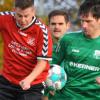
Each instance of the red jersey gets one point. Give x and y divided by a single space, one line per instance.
23 47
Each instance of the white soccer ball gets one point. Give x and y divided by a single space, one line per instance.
56 78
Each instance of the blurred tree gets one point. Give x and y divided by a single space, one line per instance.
6 5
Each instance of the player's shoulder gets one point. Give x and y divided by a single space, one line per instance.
75 32
71 35
41 25
5 13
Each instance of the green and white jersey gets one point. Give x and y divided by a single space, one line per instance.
81 57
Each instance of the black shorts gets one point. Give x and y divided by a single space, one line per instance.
9 91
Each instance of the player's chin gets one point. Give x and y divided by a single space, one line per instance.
57 36
23 25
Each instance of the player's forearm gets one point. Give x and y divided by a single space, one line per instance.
26 83
37 70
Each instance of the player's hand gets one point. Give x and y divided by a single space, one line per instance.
98 80
52 92
25 84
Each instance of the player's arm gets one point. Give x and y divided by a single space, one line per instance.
44 54
98 80
4 19
25 83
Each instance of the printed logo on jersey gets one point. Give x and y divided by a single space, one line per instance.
22 33
19 49
84 66
31 41
75 50
96 54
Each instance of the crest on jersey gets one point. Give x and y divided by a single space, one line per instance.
31 41
97 54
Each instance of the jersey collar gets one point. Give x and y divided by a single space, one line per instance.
34 18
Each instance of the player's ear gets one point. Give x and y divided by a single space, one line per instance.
99 21
68 25
13 9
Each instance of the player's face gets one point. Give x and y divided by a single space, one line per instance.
58 26
24 17
90 25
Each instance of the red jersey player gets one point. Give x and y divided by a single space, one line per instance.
27 51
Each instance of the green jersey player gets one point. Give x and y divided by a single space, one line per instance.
81 55
59 23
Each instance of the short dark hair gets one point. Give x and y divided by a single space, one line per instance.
23 4
90 6
59 12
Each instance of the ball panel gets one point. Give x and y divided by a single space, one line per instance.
57 77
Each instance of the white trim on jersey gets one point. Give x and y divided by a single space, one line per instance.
27 25
41 58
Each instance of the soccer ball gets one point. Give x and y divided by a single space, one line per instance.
56 78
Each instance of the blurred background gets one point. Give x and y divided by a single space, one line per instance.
43 7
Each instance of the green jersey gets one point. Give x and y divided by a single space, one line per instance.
81 56
47 90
